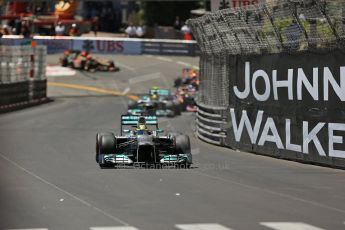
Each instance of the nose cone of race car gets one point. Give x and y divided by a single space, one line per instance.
145 140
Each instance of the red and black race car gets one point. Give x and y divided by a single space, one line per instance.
83 60
187 86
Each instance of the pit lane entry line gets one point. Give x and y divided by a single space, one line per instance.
92 89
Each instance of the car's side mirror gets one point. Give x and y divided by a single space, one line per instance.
159 131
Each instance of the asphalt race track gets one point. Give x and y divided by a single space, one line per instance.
50 180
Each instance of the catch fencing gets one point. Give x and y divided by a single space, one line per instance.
272 79
22 75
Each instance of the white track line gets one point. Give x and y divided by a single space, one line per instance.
29 229
183 63
114 228
164 59
59 71
64 191
289 226
143 78
126 91
122 65
201 227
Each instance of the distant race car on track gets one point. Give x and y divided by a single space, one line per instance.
83 60
187 87
159 102
142 146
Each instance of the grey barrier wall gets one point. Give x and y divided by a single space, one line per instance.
170 47
23 77
272 79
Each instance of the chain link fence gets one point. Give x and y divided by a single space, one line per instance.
22 63
22 75
290 26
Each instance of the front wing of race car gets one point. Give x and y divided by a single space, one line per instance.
163 152
124 159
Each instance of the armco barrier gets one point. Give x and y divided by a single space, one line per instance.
169 47
104 45
211 123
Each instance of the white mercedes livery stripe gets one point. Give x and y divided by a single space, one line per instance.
289 226
201 227
114 228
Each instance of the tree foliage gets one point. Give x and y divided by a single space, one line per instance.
164 13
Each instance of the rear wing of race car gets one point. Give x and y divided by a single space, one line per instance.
160 92
132 120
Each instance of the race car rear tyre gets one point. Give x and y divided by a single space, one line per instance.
177 109
64 62
132 104
183 144
98 142
169 105
107 146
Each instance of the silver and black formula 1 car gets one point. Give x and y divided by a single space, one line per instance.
140 146
159 102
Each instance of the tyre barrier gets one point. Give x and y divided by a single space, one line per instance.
13 93
211 124
22 94
39 89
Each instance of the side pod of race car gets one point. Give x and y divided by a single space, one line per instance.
141 145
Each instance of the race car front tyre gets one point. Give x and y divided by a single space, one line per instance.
98 141
107 146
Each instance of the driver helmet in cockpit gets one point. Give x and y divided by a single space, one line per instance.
155 96
141 127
